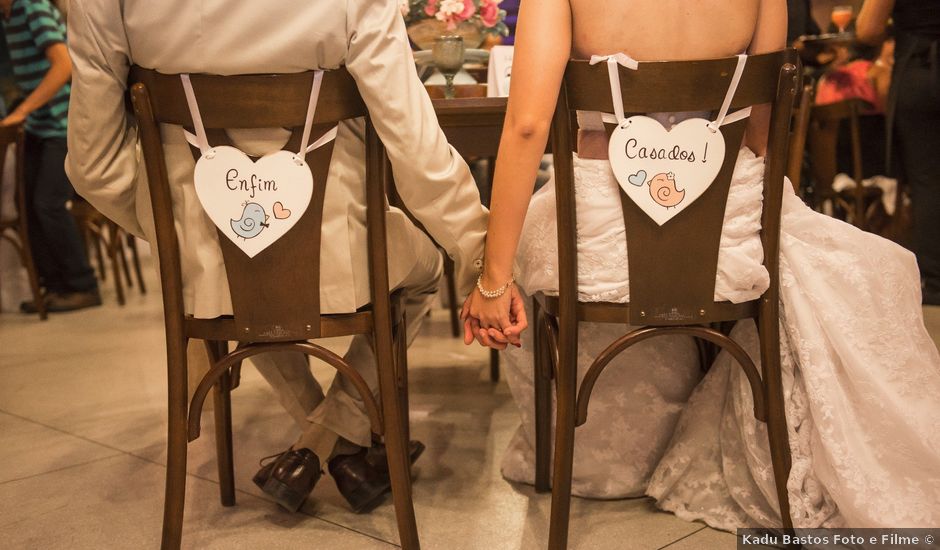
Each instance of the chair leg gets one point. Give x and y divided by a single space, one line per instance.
399 466
222 409
494 365
175 497
566 389
135 257
119 240
26 257
401 345
112 246
452 297
779 444
543 406
99 255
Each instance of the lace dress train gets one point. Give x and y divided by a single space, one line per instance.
861 374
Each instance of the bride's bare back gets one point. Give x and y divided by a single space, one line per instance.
663 29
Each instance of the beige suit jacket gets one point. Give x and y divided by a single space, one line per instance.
230 37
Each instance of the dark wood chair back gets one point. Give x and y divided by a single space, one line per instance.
672 267
276 294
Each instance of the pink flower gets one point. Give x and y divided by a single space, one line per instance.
453 12
431 8
489 13
468 10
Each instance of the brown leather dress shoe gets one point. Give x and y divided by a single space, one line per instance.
362 478
72 301
262 475
291 478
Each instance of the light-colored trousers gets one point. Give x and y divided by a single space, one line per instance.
341 412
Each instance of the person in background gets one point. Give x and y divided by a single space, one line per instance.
35 35
913 118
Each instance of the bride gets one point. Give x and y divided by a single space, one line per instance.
861 374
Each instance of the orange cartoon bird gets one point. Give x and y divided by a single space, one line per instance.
663 190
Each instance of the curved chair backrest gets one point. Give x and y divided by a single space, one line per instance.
275 294
672 267
13 135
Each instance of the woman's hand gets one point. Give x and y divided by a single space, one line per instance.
494 322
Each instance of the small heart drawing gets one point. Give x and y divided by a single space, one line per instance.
637 179
280 212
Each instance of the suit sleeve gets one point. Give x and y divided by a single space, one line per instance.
102 163
433 180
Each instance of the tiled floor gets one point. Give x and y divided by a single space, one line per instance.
82 435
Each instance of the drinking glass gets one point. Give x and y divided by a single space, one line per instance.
841 17
448 55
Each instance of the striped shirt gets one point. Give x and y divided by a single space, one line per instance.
33 26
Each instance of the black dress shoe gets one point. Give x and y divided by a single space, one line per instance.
291 478
261 476
362 478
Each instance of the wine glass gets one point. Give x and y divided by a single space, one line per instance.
841 17
448 55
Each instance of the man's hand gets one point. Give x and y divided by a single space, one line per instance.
13 119
494 323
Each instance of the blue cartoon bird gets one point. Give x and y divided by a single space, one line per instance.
252 222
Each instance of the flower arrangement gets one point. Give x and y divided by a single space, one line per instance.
483 13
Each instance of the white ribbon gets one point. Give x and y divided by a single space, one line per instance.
200 138
626 61
613 73
201 141
729 95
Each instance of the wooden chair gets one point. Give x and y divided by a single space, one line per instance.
281 317
15 229
673 267
798 131
99 233
851 205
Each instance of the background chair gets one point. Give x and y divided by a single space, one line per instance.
15 229
282 317
851 205
673 267
99 233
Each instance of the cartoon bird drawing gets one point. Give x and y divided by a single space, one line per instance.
252 222
663 190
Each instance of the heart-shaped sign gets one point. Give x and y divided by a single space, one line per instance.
253 203
664 171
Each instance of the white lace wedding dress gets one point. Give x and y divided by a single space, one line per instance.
861 375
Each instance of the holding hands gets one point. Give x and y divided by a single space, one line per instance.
495 321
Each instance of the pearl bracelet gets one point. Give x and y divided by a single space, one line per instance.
490 294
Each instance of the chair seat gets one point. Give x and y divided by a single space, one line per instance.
610 312
223 328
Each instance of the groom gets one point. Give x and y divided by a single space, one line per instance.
368 37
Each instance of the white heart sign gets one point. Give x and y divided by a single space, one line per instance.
253 203
664 171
